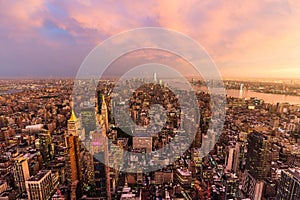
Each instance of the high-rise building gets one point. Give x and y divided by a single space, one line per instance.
231 186
88 166
198 139
99 151
257 155
289 185
163 176
229 158
88 120
154 77
99 101
101 170
239 157
73 161
45 145
196 155
116 160
251 187
40 186
21 172
73 125
184 176
257 166
75 190
73 158
104 113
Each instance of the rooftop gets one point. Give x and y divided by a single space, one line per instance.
295 172
39 175
184 172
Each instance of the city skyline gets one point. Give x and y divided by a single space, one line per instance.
245 39
144 100
54 146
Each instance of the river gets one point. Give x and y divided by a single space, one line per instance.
11 91
268 98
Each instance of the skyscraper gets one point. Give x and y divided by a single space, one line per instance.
40 186
88 120
45 145
231 186
104 113
251 187
99 150
154 77
257 155
101 170
257 166
99 101
289 185
229 158
73 160
73 125
198 139
73 164
21 172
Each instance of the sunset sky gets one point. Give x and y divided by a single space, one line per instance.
255 38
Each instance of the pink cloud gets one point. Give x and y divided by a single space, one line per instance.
256 35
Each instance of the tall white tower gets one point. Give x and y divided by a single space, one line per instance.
241 91
155 77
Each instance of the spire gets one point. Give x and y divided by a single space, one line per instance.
103 102
73 117
103 99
